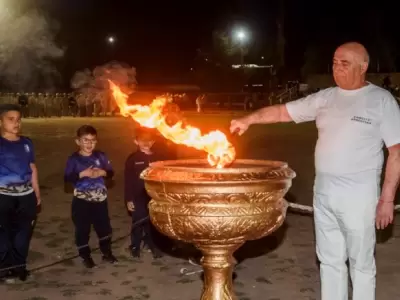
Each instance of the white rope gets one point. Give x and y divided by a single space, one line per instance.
309 209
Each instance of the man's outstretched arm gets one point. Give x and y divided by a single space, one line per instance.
270 114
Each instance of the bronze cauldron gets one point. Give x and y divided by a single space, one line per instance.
217 209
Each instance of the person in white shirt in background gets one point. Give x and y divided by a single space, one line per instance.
354 120
199 103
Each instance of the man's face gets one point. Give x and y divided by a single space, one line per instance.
348 69
11 122
87 143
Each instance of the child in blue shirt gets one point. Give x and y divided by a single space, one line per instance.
19 194
87 170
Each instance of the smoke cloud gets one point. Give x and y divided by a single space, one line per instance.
94 87
28 50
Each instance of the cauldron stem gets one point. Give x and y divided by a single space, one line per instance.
218 264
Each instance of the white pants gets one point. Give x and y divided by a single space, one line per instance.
344 214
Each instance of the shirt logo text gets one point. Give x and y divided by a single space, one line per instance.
362 120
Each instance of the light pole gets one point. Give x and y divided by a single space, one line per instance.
111 41
241 36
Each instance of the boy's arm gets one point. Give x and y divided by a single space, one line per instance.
35 182
70 174
35 175
129 174
108 169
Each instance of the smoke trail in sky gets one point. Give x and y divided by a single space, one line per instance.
27 49
94 85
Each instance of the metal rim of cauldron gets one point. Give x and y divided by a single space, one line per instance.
259 166
269 170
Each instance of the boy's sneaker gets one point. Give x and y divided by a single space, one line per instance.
22 274
110 259
146 247
135 252
88 262
5 275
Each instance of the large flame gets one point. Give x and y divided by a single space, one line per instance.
220 151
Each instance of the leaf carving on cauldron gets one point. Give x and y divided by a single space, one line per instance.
250 176
212 211
241 226
203 199
248 210
180 198
218 177
180 226
218 198
197 226
273 174
236 198
259 197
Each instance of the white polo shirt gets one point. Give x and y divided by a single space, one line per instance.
352 127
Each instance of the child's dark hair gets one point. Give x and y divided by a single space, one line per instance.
85 130
141 132
4 108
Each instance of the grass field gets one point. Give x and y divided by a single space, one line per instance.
279 267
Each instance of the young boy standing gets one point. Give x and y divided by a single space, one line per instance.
87 170
19 194
136 196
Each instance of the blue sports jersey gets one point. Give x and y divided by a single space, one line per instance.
89 189
15 169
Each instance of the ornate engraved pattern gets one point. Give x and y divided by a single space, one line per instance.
229 199
220 230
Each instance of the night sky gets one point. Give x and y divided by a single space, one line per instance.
160 38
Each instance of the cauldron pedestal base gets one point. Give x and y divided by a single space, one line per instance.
218 264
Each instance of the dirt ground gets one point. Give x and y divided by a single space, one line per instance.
279 267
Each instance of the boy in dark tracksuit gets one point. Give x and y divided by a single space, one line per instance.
19 194
87 170
136 196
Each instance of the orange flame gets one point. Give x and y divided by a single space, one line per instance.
220 151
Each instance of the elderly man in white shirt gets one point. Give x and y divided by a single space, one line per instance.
354 120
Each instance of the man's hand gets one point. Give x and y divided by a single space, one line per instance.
98 173
384 213
38 201
239 126
86 173
130 206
